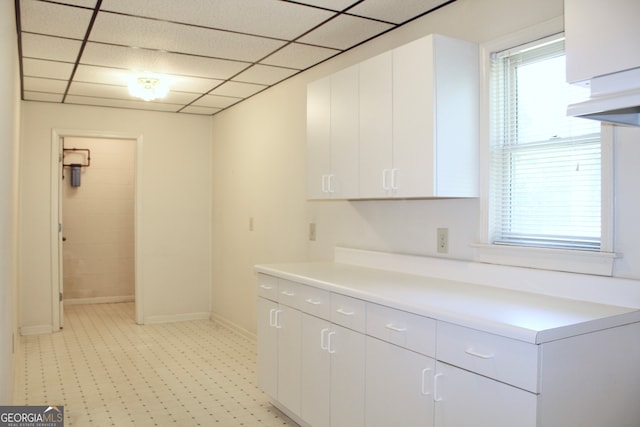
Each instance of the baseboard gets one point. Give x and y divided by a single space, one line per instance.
99 300
170 318
36 330
233 326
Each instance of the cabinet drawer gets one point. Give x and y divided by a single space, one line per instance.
348 312
315 301
404 329
289 293
268 287
511 361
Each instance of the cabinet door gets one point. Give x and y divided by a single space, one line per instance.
315 405
399 386
318 138
267 347
376 124
347 350
463 398
413 118
344 133
289 357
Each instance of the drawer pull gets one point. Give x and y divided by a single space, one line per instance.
288 293
345 313
313 301
266 287
474 353
395 328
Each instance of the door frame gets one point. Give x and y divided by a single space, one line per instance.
57 138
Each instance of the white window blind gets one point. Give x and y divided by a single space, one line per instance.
545 172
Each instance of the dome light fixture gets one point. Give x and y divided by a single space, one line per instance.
148 88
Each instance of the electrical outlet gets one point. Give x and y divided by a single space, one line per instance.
250 223
312 231
443 240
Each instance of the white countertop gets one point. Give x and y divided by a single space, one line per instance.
524 316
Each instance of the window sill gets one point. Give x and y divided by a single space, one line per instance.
572 261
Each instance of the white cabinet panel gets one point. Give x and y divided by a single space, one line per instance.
464 399
347 349
407 330
376 126
289 357
399 386
267 347
316 372
318 138
601 37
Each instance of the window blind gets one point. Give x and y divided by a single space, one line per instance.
545 172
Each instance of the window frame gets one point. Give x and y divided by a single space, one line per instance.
571 260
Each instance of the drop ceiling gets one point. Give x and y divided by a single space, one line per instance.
213 53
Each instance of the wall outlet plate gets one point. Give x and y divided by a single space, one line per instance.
442 240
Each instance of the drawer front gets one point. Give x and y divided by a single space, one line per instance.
289 293
404 329
504 359
348 312
315 301
268 287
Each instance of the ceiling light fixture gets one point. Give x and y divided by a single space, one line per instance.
148 88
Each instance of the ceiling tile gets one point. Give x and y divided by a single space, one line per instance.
54 19
137 32
238 90
54 48
300 56
344 32
264 74
159 62
337 5
84 3
98 90
270 18
120 103
37 84
192 84
48 69
102 75
42 96
396 12
216 101
192 109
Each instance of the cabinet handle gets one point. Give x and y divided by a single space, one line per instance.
345 313
323 346
474 353
288 293
436 387
395 328
423 382
313 301
385 183
330 180
266 287
329 335
272 322
277 324
394 174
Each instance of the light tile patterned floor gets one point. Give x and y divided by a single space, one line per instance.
108 371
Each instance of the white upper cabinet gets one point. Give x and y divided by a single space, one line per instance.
401 124
435 118
332 136
601 37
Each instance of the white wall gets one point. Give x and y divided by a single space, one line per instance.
98 220
174 188
9 134
259 172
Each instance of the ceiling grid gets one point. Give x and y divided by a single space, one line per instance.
212 53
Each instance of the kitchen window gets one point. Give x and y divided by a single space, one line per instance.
545 188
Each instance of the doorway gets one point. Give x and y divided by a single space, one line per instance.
94 218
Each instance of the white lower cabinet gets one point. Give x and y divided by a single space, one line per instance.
279 353
463 398
399 386
333 380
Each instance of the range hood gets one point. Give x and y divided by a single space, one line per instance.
615 98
